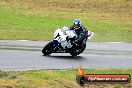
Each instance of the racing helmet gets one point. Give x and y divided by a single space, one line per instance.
77 23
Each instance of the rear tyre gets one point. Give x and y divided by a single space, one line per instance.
73 54
77 50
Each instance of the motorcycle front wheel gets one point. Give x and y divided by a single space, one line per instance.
47 49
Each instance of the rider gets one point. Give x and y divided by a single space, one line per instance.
81 31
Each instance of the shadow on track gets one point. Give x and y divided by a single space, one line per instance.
65 57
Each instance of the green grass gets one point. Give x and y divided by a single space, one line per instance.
37 19
53 78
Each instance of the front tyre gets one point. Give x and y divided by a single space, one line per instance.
47 49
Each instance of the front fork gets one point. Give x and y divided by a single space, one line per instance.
55 45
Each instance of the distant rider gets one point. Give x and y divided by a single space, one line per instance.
81 31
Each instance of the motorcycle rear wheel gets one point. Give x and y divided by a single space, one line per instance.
73 54
77 50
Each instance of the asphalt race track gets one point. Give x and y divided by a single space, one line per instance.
26 55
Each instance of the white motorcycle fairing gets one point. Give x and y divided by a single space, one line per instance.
61 36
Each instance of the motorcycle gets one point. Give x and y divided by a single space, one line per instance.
63 42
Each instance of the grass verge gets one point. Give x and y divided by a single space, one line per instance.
110 20
53 78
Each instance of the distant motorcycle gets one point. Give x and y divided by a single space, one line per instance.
63 42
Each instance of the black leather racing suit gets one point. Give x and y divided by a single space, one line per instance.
82 33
